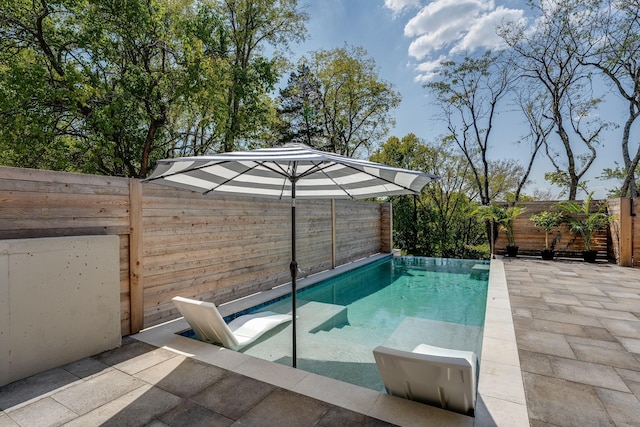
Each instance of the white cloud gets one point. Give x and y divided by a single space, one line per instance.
399 6
447 27
427 69
482 33
440 14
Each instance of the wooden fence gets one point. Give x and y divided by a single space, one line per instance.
172 242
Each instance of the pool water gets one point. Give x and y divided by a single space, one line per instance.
398 302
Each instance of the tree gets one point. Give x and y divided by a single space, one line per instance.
618 46
532 105
550 57
301 108
250 25
356 103
40 93
469 93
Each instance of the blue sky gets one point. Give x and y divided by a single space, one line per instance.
408 38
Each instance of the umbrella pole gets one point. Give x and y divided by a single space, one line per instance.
293 267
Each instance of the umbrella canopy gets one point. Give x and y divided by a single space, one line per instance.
276 172
292 171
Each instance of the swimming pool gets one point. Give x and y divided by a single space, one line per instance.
398 302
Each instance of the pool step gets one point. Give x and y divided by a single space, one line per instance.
356 335
311 317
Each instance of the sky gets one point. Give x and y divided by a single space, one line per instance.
408 38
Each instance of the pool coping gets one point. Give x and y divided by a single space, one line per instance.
500 401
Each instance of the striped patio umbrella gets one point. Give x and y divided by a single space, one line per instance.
293 171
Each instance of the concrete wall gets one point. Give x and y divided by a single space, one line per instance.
59 302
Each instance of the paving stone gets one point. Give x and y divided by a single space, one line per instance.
624 295
182 376
560 308
136 408
601 334
522 312
635 388
622 328
602 313
592 304
543 342
44 412
87 367
616 357
566 318
193 415
147 360
337 416
624 408
293 410
629 375
97 391
579 289
550 326
563 403
528 302
631 306
5 421
535 363
631 344
587 373
130 348
233 395
609 344
39 385
593 298
554 298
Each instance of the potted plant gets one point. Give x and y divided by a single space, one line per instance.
585 223
547 220
510 214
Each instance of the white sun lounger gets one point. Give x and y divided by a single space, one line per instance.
208 324
433 375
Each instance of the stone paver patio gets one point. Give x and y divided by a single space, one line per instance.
578 333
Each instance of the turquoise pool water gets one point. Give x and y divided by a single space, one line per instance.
400 302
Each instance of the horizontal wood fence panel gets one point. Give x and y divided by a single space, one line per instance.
530 239
219 248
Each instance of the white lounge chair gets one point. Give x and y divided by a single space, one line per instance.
433 375
208 324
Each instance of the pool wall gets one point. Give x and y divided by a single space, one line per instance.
501 400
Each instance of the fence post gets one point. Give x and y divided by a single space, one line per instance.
626 232
136 257
386 228
333 233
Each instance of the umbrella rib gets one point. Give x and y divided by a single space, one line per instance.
258 163
317 168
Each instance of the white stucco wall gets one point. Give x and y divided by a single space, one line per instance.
59 302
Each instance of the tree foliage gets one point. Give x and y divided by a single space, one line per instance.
109 86
438 222
347 107
300 108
